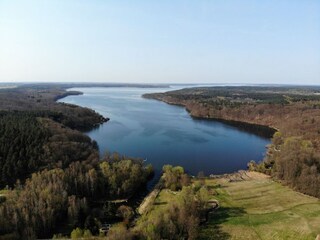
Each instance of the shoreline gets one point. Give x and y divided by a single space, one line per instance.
68 93
267 131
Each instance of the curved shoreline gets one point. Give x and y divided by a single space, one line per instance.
68 93
258 129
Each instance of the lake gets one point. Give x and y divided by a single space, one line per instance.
166 134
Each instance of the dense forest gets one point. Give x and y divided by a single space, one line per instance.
294 155
22 140
29 143
50 197
51 175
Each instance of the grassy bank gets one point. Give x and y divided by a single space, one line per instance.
252 206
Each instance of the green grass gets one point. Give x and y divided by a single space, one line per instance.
261 209
165 197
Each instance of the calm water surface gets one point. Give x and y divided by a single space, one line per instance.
166 134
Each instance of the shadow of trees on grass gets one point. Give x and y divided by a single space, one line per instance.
212 229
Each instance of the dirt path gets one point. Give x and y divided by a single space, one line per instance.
150 198
148 201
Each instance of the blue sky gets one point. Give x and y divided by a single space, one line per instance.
221 41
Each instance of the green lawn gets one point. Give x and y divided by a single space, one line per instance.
260 208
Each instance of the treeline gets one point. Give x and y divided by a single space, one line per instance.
294 161
34 210
235 96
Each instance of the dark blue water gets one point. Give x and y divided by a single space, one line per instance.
166 134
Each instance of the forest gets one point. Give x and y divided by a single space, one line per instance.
41 101
294 112
51 197
51 174
29 143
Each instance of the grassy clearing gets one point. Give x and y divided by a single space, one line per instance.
165 197
259 208
252 206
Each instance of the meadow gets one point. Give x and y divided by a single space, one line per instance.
253 206
257 207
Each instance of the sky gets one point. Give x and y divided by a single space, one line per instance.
167 41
